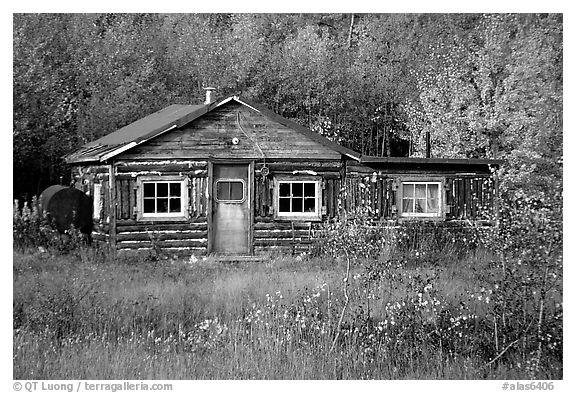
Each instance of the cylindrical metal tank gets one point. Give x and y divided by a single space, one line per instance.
67 206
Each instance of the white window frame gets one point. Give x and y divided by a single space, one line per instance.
183 214
400 198
298 216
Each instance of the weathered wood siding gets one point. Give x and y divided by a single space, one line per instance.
466 197
210 136
271 234
470 198
189 236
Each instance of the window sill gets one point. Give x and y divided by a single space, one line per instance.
314 217
421 218
163 218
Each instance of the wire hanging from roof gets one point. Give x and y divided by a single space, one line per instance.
264 170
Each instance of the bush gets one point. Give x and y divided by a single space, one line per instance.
360 237
32 230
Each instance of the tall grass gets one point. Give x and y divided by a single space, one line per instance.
422 305
125 318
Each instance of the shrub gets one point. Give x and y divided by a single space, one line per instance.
32 230
360 237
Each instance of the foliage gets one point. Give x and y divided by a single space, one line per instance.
483 85
360 237
32 230
528 287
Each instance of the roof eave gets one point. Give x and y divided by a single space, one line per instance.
437 161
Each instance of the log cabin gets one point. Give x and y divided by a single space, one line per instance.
231 177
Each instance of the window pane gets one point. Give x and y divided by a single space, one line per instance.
236 191
223 190
419 205
284 190
407 205
432 205
297 205
149 206
162 205
161 189
310 204
433 190
408 190
309 189
420 190
174 189
284 205
174 205
297 189
149 190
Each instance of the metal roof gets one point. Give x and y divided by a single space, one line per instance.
137 132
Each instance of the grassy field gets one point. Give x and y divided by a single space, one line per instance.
88 316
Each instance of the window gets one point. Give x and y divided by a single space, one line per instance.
421 199
298 199
162 198
230 190
97 201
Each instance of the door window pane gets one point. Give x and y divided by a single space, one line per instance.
236 191
229 190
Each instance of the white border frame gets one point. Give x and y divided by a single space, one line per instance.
304 216
422 180
184 206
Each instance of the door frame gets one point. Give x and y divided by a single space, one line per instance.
249 195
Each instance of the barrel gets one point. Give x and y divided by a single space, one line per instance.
66 207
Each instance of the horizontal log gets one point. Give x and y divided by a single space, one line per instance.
309 163
183 163
263 234
278 241
182 252
324 174
132 175
160 168
262 224
99 236
194 223
161 235
163 244
265 249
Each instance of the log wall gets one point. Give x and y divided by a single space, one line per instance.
467 197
